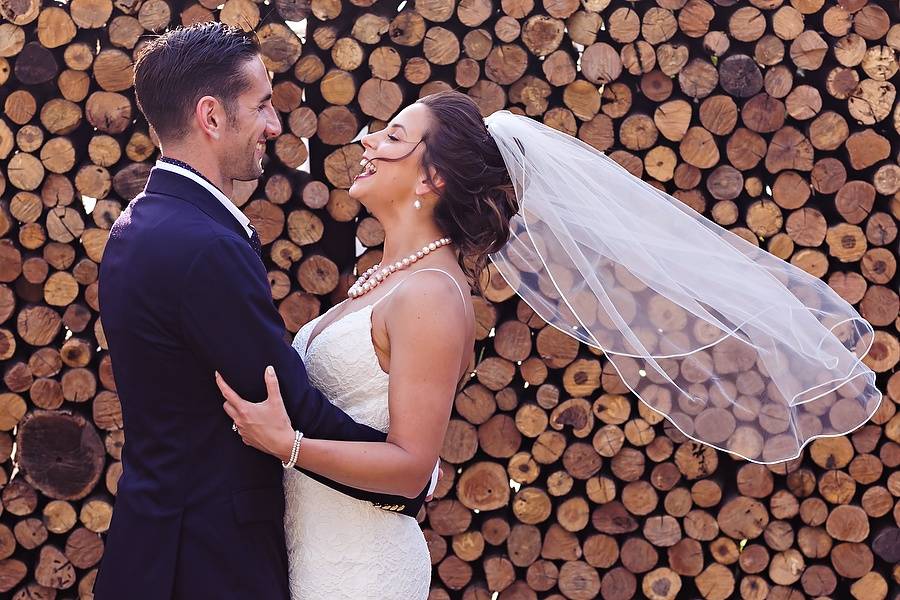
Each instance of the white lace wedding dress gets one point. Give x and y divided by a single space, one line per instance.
340 547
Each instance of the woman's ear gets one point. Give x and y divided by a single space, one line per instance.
424 187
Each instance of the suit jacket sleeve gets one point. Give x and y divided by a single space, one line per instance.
228 318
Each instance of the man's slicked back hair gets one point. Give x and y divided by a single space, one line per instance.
176 69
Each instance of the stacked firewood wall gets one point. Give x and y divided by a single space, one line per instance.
777 119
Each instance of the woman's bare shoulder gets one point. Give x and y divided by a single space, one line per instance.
436 297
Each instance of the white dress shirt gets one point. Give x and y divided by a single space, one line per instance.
226 202
245 222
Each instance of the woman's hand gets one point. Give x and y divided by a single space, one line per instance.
263 425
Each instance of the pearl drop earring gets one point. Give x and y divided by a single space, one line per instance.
417 204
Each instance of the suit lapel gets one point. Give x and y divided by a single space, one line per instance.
172 184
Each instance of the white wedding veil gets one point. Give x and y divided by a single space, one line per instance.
736 347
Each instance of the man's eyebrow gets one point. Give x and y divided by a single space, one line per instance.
266 98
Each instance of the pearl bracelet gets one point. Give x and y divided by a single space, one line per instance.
295 451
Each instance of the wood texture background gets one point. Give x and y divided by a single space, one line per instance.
777 119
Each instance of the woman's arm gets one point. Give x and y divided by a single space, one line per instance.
429 330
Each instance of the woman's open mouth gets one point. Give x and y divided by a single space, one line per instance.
368 169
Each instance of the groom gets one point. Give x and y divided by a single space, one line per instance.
184 293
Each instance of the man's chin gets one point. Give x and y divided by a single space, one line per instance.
247 177
250 175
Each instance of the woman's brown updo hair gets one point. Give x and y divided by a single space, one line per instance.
477 200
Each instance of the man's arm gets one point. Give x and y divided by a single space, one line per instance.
229 319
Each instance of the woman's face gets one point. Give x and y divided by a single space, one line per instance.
391 172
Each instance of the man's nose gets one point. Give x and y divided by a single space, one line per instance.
273 124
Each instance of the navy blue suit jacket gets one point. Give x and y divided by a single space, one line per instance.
198 514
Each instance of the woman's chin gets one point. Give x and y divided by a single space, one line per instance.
357 191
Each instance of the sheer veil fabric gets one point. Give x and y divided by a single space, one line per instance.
739 349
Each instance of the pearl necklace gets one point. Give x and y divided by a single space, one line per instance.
371 278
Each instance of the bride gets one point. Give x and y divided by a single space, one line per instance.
737 348
391 355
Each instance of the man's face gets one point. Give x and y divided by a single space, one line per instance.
253 121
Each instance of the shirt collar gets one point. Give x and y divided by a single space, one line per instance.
226 202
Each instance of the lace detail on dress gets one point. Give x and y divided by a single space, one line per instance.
340 547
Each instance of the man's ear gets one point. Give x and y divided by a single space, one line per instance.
210 116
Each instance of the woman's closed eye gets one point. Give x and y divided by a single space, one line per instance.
393 138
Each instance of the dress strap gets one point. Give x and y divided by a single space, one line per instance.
452 278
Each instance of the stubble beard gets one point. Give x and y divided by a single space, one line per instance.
246 167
